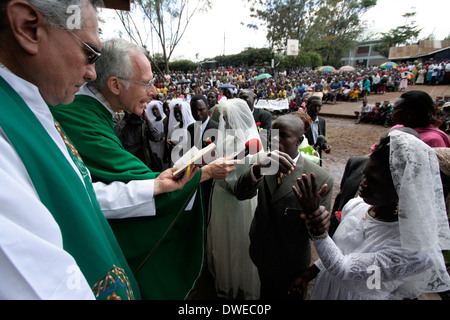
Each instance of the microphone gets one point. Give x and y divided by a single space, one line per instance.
321 142
253 146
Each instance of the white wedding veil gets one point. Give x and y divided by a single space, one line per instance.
237 120
423 222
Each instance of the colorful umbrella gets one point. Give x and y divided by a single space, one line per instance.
409 75
389 65
327 69
263 76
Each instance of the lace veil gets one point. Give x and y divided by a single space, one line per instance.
423 222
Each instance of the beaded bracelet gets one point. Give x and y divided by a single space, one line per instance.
320 237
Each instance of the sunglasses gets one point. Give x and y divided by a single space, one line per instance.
148 85
92 55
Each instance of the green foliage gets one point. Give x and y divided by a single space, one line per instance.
402 35
185 66
328 27
249 57
303 59
168 19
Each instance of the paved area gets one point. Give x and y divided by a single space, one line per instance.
347 109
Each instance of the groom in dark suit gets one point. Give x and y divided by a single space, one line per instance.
202 132
204 128
280 245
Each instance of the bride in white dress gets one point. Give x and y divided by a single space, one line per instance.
390 239
235 275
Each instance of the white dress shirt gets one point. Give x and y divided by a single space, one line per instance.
33 263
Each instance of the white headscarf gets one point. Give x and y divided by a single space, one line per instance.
185 112
422 216
149 111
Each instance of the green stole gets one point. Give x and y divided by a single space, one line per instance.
167 251
85 231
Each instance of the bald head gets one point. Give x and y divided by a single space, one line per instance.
289 131
291 121
248 96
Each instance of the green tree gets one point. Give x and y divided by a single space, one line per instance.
185 66
328 27
303 59
168 20
249 57
402 35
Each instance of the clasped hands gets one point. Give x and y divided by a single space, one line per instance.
309 198
317 222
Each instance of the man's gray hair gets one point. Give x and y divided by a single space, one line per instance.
56 12
115 61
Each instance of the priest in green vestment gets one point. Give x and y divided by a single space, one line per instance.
166 247
55 242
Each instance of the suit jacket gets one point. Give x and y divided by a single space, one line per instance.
207 185
263 116
322 131
211 125
279 241
349 186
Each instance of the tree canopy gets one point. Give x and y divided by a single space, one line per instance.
328 27
402 35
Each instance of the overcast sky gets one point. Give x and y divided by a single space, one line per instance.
220 31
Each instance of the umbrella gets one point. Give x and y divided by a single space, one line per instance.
327 69
409 75
347 69
263 76
183 81
227 86
389 65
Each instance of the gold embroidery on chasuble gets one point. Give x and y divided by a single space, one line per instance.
111 284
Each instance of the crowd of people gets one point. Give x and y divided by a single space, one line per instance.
345 85
92 209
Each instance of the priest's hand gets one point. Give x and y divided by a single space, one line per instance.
166 183
219 169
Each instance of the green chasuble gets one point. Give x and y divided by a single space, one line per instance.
166 252
85 231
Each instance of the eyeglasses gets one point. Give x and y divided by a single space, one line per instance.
92 55
148 85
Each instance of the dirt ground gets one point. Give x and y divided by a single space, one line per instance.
348 139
